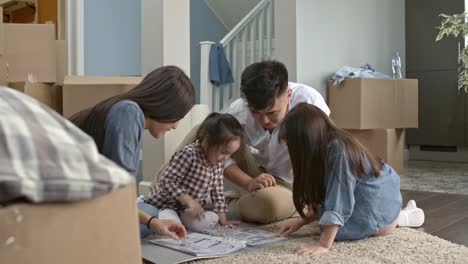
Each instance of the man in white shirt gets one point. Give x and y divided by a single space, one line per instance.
267 97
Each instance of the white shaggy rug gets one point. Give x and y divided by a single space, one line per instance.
405 245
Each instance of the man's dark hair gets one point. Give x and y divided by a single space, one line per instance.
262 82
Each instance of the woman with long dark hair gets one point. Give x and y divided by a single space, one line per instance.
117 124
348 189
158 103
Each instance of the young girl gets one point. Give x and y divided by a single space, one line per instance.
195 172
117 125
350 191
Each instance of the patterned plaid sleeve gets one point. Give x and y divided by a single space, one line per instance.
175 173
217 193
45 158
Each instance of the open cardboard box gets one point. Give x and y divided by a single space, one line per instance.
28 49
81 92
33 62
62 60
101 230
48 94
374 103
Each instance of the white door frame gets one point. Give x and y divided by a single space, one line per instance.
75 36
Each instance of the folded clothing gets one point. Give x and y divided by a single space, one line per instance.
365 71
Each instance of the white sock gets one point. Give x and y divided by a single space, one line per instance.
411 217
209 221
410 205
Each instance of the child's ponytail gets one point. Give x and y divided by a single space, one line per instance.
219 129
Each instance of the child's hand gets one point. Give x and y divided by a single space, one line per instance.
326 242
224 222
313 249
195 209
292 227
169 228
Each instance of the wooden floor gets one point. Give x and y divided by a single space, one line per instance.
446 214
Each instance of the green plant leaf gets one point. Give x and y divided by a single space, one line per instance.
454 26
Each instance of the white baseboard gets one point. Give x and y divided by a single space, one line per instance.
460 156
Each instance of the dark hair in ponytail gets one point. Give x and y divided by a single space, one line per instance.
219 129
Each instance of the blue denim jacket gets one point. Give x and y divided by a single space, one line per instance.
361 207
123 130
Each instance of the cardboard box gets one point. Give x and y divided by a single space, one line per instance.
23 15
387 144
48 94
81 92
2 35
101 230
62 60
28 49
374 103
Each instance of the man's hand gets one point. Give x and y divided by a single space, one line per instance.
169 228
261 181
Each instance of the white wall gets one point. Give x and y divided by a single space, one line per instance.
334 33
176 40
285 38
151 58
230 12
151 35
165 41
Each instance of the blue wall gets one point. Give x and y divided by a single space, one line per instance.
112 37
204 25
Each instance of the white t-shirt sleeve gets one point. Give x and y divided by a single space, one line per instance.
303 93
236 109
320 103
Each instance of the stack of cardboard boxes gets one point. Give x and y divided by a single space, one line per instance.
101 230
376 112
32 61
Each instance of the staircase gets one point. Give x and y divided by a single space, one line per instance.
251 40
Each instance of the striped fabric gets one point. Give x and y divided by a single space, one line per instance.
45 158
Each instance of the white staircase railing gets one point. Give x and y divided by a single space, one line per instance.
251 40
